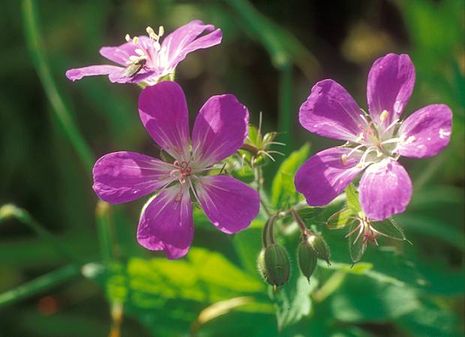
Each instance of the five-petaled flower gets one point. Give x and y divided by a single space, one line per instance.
166 221
375 141
145 59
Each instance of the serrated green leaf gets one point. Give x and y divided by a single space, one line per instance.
283 191
352 199
344 217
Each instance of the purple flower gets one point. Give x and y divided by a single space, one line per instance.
145 59
375 141
166 221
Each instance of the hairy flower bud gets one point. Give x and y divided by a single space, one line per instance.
320 247
307 258
274 265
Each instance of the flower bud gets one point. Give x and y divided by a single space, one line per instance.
306 257
274 265
320 247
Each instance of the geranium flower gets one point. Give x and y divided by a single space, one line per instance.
375 141
145 59
166 221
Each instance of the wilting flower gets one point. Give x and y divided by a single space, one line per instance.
146 59
166 221
375 141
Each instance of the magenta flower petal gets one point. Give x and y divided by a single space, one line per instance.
326 174
78 73
125 176
187 39
229 203
219 130
385 189
163 111
166 223
426 132
330 111
390 84
120 54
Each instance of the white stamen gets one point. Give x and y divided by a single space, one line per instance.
152 33
127 38
161 31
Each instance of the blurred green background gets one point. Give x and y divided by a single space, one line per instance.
271 55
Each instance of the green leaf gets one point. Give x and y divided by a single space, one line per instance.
292 301
344 217
352 199
431 320
362 299
179 289
283 191
141 283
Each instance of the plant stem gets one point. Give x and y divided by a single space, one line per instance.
11 211
259 178
330 286
102 214
61 111
39 285
303 228
286 115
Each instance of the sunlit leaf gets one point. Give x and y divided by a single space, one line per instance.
283 191
344 217
352 199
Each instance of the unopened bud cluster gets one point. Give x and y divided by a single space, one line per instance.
273 261
310 249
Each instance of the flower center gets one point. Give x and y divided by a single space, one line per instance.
137 62
182 170
375 142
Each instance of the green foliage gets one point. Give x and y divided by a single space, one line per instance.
283 193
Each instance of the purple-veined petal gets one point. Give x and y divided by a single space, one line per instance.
390 84
426 132
326 174
185 40
78 73
229 203
125 176
219 130
385 190
330 111
166 222
120 54
163 111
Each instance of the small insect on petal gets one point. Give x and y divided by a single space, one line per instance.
134 68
